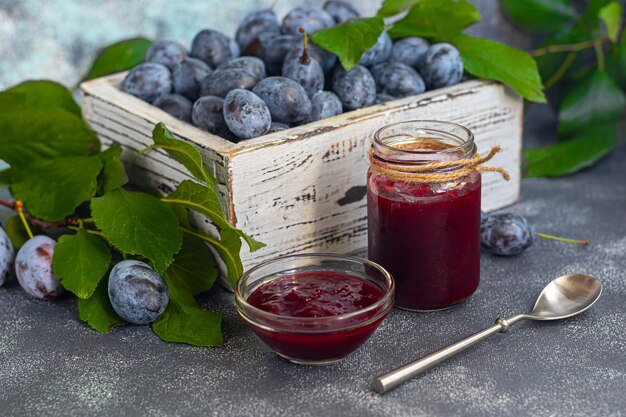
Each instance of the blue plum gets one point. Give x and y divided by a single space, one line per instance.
208 114
325 104
137 292
409 51
325 58
277 127
33 268
397 79
383 98
505 234
167 53
378 53
286 100
188 75
221 81
246 114
254 25
340 11
272 48
148 81
7 254
251 64
306 71
176 105
355 88
441 66
213 47
311 19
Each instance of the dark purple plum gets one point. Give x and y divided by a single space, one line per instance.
208 114
167 53
251 64
305 70
378 53
355 88
325 58
340 11
256 24
277 126
246 114
137 292
176 105
148 81
272 49
383 98
213 47
7 254
397 79
33 268
409 51
325 104
286 100
441 66
505 234
187 76
311 19
221 81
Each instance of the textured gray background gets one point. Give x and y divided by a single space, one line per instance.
58 39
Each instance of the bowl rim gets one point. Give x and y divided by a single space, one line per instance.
242 303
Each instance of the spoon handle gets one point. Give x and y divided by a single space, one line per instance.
392 379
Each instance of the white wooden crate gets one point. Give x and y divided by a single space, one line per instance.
303 189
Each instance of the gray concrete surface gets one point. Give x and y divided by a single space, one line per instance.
51 364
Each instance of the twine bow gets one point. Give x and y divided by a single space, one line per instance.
427 173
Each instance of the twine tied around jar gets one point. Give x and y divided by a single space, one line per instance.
426 173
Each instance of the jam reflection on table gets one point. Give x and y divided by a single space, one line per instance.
427 237
318 294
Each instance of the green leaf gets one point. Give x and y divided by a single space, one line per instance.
394 7
183 321
182 152
485 58
193 268
349 40
595 100
138 224
437 19
202 199
17 233
38 94
97 310
118 57
80 261
52 188
113 174
571 156
542 16
43 133
611 15
616 63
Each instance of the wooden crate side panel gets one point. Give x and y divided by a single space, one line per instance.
117 121
300 196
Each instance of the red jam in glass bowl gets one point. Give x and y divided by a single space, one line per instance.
315 309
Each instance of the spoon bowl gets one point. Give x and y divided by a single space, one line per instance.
566 296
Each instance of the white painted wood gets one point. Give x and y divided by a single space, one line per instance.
298 190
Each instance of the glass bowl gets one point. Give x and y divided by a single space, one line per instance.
315 340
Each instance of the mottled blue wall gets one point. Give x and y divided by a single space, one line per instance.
58 39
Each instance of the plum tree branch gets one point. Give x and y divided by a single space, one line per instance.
70 221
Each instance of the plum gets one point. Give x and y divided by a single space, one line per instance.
33 268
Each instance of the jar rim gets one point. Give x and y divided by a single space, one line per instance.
466 144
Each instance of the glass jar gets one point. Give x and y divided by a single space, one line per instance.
425 232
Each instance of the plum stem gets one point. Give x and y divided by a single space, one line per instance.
563 239
19 207
304 59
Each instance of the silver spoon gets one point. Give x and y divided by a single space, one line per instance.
566 296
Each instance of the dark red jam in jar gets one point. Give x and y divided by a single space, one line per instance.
318 313
425 231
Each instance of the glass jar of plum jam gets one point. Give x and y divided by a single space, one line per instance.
424 223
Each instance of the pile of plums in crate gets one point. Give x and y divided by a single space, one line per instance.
270 78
